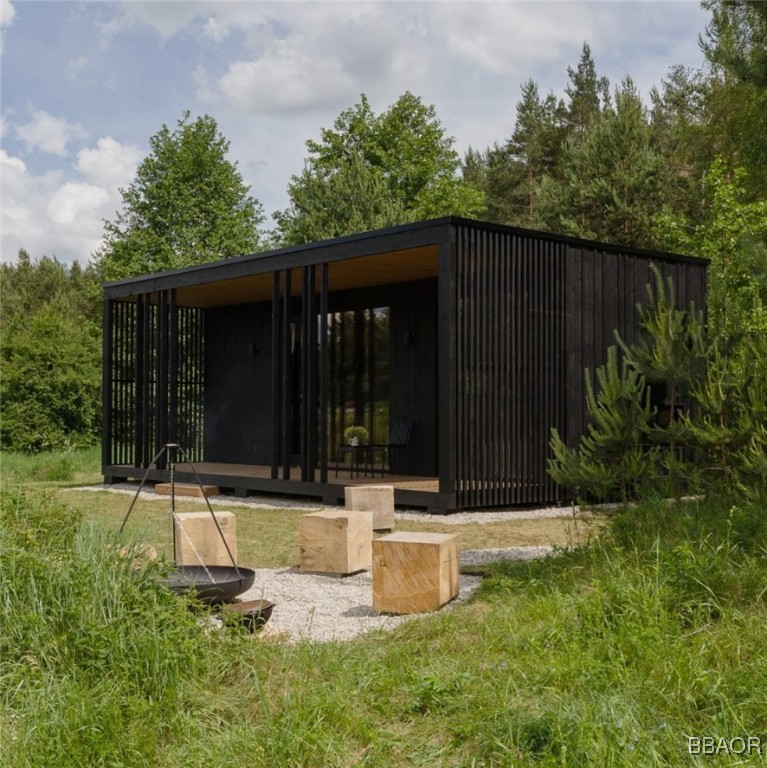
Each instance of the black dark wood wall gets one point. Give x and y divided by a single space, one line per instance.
238 353
532 313
603 290
413 324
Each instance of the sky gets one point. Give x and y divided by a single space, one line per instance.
84 85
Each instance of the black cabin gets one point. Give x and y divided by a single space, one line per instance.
470 338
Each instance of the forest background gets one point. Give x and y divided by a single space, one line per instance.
685 171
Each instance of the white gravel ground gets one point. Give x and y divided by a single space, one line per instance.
323 607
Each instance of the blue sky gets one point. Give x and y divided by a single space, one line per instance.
86 84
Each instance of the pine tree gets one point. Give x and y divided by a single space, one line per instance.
588 96
612 178
613 456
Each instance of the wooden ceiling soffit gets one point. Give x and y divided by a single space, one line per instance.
388 268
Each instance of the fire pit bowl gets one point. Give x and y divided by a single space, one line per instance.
253 613
212 584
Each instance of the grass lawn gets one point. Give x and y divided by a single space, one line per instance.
611 654
268 538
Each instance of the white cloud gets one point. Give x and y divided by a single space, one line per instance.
75 202
48 133
508 38
7 16
15 164
286 81
321 57
110 164
61 212
165 18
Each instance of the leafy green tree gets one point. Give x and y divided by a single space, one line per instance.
325 204
50 353
729 426
671 356
188 204
411 170
736 37
721 391
51 381
733 235
679 134
735 46
28 285
514 170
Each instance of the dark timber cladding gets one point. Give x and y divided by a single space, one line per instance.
476 334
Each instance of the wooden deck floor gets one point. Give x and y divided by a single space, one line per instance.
245 479
345 476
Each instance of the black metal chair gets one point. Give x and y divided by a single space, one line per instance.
399 440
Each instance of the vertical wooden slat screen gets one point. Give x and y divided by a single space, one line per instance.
509 355
190 384
136 388
122 383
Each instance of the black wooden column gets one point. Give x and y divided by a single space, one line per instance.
173 368
286 378
308 376
140 362
446 366
277 354
323 373
149 406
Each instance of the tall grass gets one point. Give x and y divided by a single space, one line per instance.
52 467
609 655
94 653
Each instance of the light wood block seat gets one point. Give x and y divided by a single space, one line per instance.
188 489
198 541
336 541
414 572
378 499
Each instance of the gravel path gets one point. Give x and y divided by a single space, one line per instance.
323 607
278 502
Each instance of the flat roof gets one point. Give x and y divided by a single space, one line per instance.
404 253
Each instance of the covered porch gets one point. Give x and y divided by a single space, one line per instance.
255 366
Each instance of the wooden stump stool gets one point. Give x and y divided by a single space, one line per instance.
198 541
414 572
336 541
378 499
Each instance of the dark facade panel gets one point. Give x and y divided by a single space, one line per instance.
413 377
510 345
238 385
532 313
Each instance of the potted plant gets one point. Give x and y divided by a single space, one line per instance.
355 435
